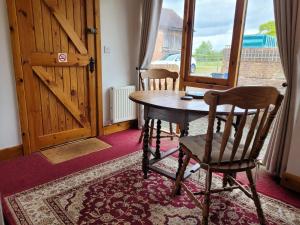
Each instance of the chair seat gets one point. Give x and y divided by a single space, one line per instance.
196 145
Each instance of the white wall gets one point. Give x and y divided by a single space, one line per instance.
9 120
120 31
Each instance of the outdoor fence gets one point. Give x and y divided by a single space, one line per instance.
259 63
255 54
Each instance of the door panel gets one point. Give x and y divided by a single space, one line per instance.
60 96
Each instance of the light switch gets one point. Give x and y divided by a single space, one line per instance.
106 50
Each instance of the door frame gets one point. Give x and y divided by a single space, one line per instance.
19 74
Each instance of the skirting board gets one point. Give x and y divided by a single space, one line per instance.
291 181
11 153
119 127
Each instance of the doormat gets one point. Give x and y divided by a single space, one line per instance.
73 150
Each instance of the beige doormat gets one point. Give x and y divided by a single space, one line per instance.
73 150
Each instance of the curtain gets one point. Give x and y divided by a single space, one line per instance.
150 21
287 20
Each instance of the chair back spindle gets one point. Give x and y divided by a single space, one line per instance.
250 134
264 100
238 135
166 84
227 132
157 79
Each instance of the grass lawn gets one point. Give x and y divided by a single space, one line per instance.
206 68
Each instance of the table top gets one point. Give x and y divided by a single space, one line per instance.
171 100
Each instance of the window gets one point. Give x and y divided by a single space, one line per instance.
213 34
260 61
215 43
167 50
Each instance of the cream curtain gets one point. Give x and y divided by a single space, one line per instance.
287 19
150 21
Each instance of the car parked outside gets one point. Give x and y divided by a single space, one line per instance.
170 60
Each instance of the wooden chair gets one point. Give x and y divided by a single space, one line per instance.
157 79
219 152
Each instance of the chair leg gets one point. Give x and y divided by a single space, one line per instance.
225 180
151 131
180 163
256 200
180 175
142 135
171 130
205 212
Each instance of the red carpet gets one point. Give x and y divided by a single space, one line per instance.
115 192
27 172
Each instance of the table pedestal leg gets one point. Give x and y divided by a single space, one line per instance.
228 181
218 125
180 157
145 162
237 123
186 132
157 150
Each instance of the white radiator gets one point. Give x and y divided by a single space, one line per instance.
121 108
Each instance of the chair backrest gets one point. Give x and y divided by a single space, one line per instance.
157 79
265 101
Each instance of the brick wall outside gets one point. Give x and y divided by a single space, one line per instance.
261 70
167 42
261 63
158 50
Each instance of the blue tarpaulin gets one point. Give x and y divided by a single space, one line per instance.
259 41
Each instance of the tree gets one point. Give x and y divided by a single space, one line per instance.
204 48
205 52
268 28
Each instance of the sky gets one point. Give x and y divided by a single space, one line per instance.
214 19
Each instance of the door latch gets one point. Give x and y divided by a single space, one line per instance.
92 65
91 30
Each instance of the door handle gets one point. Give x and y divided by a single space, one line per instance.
92 65
91 30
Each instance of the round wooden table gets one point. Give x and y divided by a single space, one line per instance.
168 106
171 101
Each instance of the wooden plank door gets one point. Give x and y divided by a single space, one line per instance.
54 57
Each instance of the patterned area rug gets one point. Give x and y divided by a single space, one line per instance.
116 193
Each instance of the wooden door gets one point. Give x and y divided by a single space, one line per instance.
54 48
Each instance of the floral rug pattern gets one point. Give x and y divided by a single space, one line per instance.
116 193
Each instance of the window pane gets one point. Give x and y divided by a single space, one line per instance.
213 28
168 42
260 62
